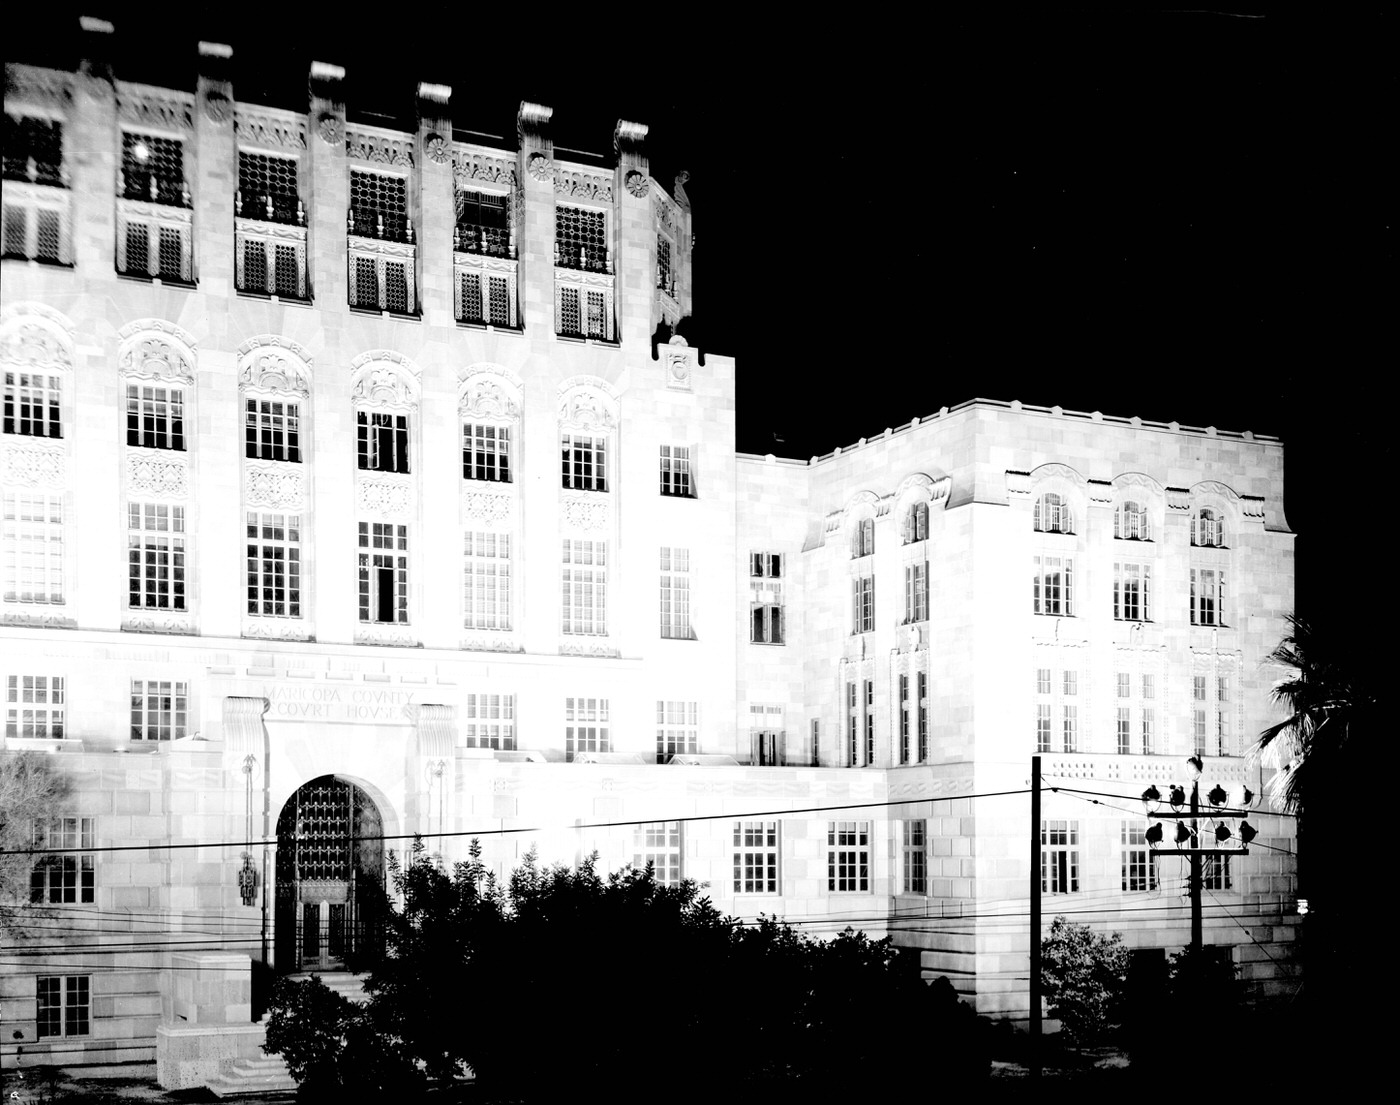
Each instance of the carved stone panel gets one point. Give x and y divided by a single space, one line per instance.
163 621
394 635
33 465
586 511
276 629
384 496
157 472
488 507
274 485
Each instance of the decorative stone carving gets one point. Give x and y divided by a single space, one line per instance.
275 629
34 87
1061 471
378 148
275 486
1178 498
484 398
156 108
41 618
486 506
163 622
680 363
1100 491
1018 483
587 514
265 127
33 465
1139 480
502 643
682 200
437 730
574 648
35 344
383 378
274 364
382 495
636 183
217 106
156 472
587 403
157 350
329 127
1252 506
469 165
437 149
385 635
540 167
665 213
243 726
579 185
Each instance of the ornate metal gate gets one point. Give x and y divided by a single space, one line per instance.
330 877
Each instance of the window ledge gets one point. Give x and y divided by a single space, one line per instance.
374 312
47 262
388 634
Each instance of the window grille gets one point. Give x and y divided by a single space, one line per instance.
584 462
916 592
1207 596
1131 592
665 279
659 844
379 206
155 417
863 604
485 452
267 189
766 616
1059 857
585 588
675 471
36 201
33 150
483 224
675 594
33 404
1053 585
382 441
1130 522
1138 868
915 858
64 1005
581 239
1052 514
153 170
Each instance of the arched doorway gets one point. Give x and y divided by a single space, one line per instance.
330 877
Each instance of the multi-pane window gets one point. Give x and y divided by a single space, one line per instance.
869 721
33 539
382 441
1052 514
1131 592
848 856
1211 730
36 205
659 843
916 523
675 471
158 709
33 150
1056 697
584 462
862 604
921 681
1130 522
383 560
489 721
274 565
586 726
863 538
155 416
585 587
1224 743
1139 871
67 878
583 313
486 598
852 725
675 593
1216 873
581 238
677 729
379 206
1059 857
1052 585
1200 713
153 169
665 279
34 706
766 598
485 297
271 430
267 188
485 452
1208 529
915 858
1207 596
766 734
756 854
916 592
155 556
904 720
483 223
33 404
64 1005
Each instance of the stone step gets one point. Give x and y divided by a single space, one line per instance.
265 1075
342 982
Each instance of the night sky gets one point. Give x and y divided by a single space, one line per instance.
1180 215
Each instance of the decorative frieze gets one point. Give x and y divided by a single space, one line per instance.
274 485
274 364
157 472
275 629
385 379
470 166
38 617
582 185
268 129
587 403
587 511
577 648
155 109
31 87
176 622
34 464
377 148
384 496
487 507
485 398
394 636
503 642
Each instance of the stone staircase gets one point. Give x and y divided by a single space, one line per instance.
342 982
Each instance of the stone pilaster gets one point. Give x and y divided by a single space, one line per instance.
437 206
636 239
93 149
535 230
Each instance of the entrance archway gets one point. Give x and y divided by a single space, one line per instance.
330 877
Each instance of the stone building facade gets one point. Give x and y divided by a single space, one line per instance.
354 487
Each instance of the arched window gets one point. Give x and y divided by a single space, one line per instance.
1130 522
1053 514
1208 530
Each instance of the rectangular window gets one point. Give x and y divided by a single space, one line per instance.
766 600
274 565
1042 680
922 680
33 541
1071 728
378 206
155 417
490 721
869 721
34 706
585 726
1053 585
659 844
1199 714
483 223
1139 871
267 188
68 878
485 452
1149 728
675 471
153 169
915 858
585 587
1042 727
675 594
1207 596
664 279
848 857
33 404
1224 745
64 1005
904 734
383 561
1059 857
271 431
1131 587
1125 730
1215 873
863 539
585 466
852 726
381 441
756 854
916 592
155 556
863 604
33 150
158 710
677 729
581 238
486 598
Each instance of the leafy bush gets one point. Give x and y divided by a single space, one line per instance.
1083 973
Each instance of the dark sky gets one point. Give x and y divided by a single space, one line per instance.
1182 215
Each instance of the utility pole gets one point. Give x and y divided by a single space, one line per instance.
1035 917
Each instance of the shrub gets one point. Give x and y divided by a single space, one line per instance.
1083 973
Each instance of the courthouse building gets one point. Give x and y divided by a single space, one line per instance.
355 487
